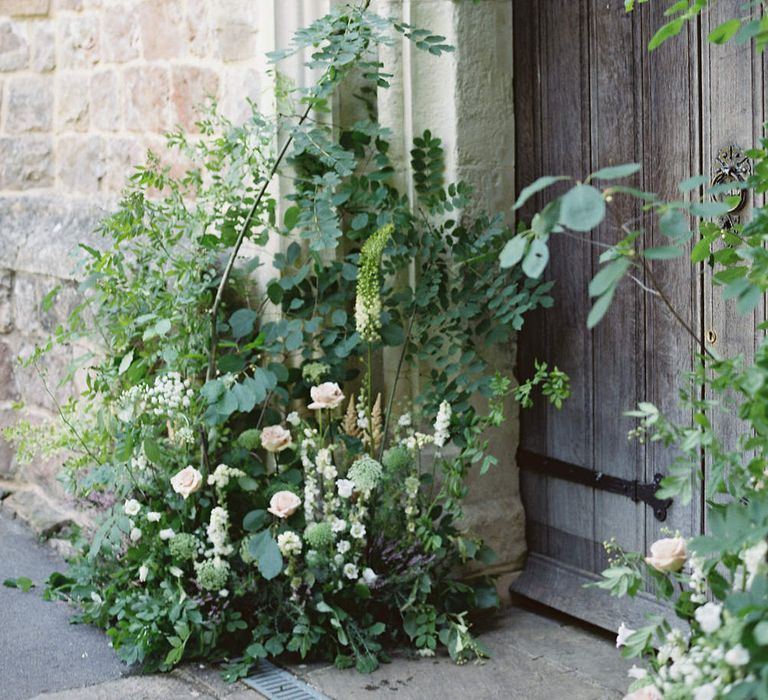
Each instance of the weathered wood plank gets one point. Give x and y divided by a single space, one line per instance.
566 140
671 147
618 381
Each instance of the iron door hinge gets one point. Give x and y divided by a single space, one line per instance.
635 490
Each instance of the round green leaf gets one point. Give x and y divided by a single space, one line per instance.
513 252
582 208
537 258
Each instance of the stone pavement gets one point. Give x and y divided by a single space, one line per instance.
43 657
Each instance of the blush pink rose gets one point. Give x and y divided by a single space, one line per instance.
668 554
275 438
648 692
326 395
187 481
284 504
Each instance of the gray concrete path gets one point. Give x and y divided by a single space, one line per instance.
43 657
534 658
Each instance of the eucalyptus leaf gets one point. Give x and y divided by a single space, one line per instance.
537 186
582 208
616 172
513 251
537 258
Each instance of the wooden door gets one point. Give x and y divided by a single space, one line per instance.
588 95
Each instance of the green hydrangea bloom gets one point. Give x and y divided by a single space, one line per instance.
319 535
396 459
250 439
183 546
212 574
366 473
315 371
312 558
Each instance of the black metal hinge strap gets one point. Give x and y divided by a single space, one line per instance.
548 466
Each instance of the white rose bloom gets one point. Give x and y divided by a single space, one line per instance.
345 487
154 516
623 634
705 692
132 507
175 571
135 534
187 481
357 531
326 395
369 575
350 571
708 616
143 572
166 534
275 438
738 656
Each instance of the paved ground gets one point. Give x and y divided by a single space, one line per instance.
43 657
534 658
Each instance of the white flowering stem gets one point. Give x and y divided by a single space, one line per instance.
369 398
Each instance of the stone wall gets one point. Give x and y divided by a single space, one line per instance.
86 86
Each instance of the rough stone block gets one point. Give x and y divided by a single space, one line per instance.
78 41
198 26
147 98
6 315
31 507
105 101
39 234
81 163
236 30
8 389
43 41
192 86
25 8
123 155
30 104
8 417
72 101
120 36
162 26
26 162
238 86
14 50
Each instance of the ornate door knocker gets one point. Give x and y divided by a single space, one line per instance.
731 165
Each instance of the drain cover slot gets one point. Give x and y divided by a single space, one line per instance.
277 684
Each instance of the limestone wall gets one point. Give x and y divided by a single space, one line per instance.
86 86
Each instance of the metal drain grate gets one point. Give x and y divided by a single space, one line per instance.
276 684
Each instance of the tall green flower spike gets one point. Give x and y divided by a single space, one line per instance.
368 292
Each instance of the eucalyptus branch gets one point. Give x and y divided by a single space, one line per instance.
236 249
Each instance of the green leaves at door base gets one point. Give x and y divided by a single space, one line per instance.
582 208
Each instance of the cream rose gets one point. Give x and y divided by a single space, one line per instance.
284 504
275 438
648 692
668 554
326 395
187 481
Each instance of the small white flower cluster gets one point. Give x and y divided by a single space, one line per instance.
311 485
289 543
222 475
417 441
169 394
755 564
139 460
443 424
218 532
697 581
411 509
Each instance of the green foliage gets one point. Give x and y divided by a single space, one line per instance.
194 363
